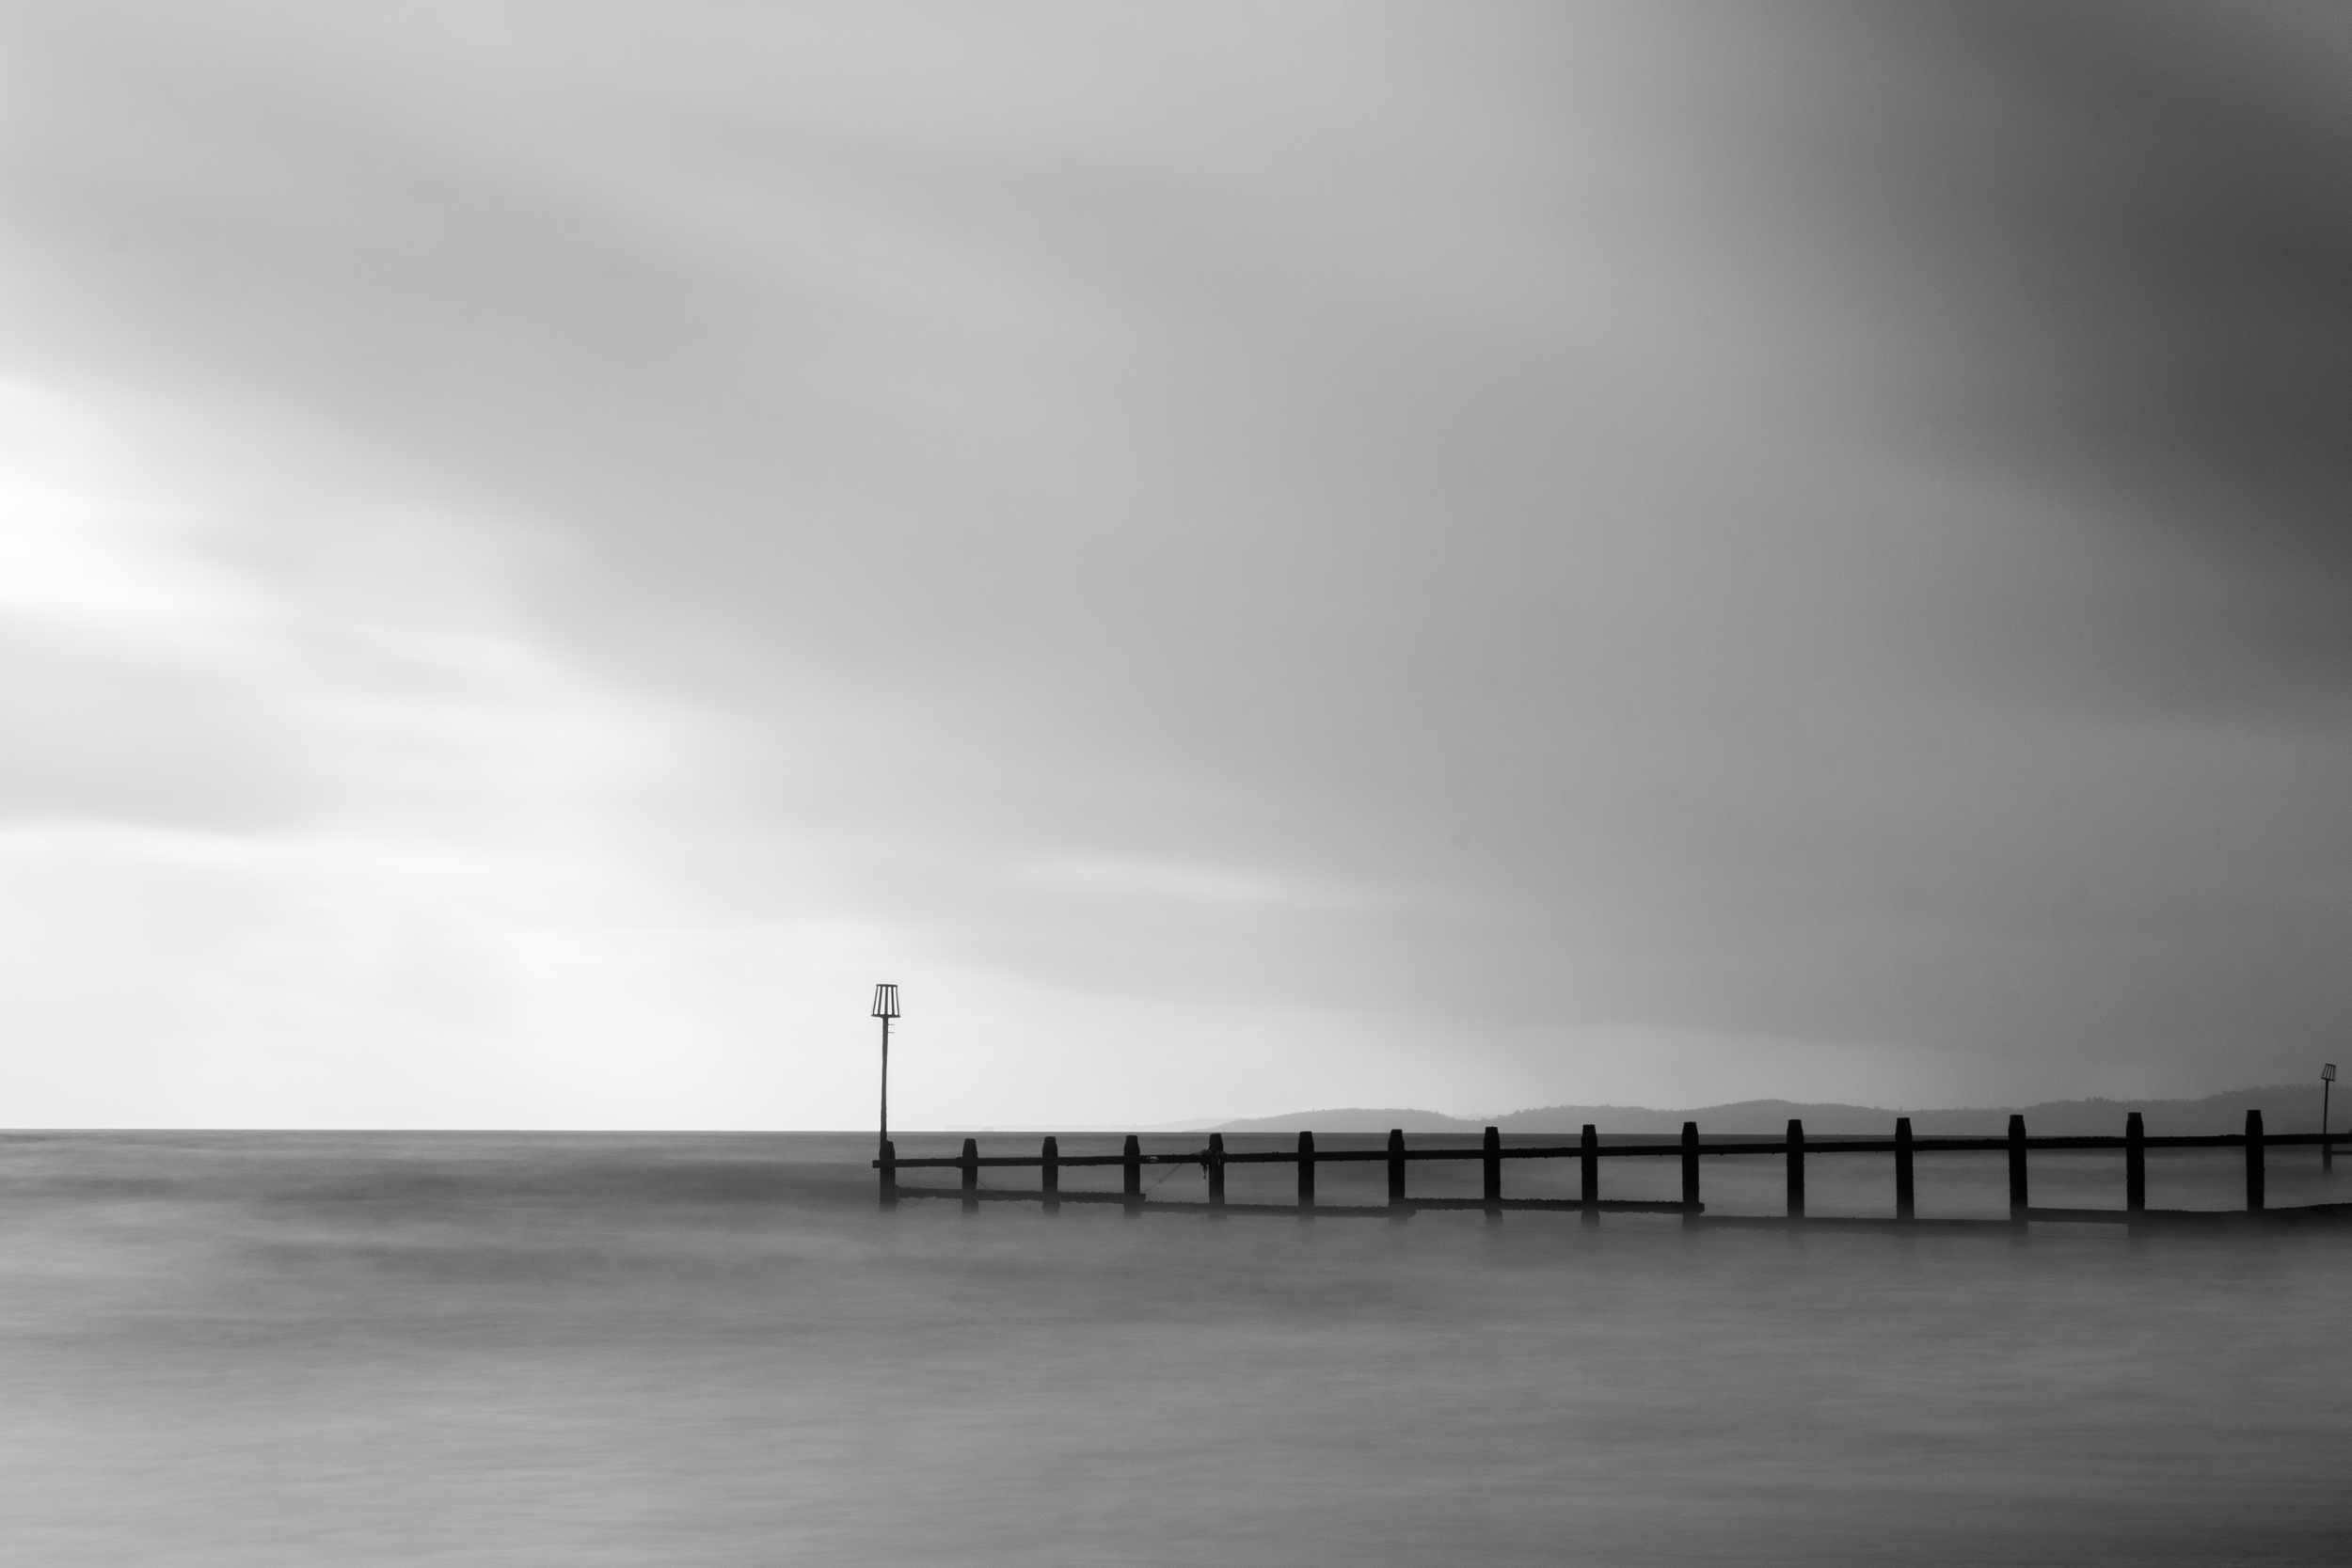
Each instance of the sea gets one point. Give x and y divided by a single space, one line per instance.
343 1349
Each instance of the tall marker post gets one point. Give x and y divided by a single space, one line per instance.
886 1009
2327 1148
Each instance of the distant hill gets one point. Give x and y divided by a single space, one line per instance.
2285 1108
1358 1119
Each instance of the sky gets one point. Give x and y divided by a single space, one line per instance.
1246 555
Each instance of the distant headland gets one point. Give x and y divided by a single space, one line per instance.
2287 1105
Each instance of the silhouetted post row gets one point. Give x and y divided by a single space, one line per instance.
1588 1150
1906 1192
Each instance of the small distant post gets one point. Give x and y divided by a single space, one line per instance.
889 1174
2253 1160
2017 1169
2327 1143
1491 1190
1306 1176
1690 1173
1215 1161
2135 1163
1396 1173
1796 1170
1131 1170
1588 1171
970 1164
1049 1174
1906 1193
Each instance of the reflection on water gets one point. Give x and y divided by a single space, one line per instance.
457 1349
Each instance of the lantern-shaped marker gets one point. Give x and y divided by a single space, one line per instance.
885 1008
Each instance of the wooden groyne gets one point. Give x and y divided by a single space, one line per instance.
1589 1151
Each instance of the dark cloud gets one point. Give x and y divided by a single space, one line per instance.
2123 232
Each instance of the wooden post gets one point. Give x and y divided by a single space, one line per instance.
2253 1160
1396 1172
1049 1175
1131 1170
2017 1170
1491 1191
1796 1170
971 1174
1906 1193
889 1174
1690 1173
2135 1163
1215 1162
1588 1163
1306 1176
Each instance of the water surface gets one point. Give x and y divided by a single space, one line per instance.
502 1349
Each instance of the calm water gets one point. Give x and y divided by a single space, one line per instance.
455 1350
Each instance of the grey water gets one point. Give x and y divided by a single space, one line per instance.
274 1349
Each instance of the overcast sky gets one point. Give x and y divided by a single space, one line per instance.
1248 554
